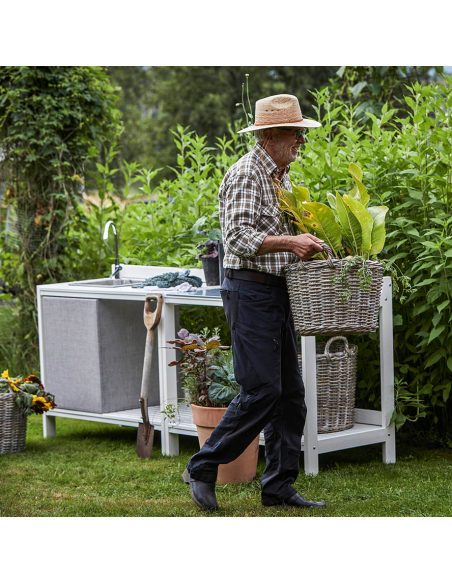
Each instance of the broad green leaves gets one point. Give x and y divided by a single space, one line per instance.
365 220
350 225
346 219
319 219
378 228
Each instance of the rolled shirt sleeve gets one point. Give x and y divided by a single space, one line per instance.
242 206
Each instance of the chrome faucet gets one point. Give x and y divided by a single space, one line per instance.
118 268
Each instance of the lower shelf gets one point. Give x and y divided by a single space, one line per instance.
360 435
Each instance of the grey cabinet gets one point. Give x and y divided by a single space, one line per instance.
93 353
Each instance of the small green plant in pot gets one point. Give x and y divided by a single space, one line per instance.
199 352
223 387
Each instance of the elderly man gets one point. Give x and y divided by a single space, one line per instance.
259 241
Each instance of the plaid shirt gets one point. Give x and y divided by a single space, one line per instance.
249 211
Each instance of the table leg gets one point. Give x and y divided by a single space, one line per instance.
48 426
309 374
387 370
167 377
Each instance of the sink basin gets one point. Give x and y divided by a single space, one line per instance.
108 282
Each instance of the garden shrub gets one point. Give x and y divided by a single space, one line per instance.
407 164
406 158
52 121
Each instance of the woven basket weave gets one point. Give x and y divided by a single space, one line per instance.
336 385
317 307
13 426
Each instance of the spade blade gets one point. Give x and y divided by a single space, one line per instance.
145 440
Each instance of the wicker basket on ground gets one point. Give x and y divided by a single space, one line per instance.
316 305
336 384
13 426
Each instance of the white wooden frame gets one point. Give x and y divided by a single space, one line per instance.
371 427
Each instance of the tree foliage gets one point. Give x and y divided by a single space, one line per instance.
52 122
154 100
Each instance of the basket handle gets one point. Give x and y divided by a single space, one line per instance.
327 347
329 257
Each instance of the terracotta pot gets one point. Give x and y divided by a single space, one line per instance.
242 468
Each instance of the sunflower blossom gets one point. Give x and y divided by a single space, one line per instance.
5 375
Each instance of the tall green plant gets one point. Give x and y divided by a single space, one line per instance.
50 120
406 162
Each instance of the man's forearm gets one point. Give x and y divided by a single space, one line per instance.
275 243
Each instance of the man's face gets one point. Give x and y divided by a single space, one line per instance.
286 145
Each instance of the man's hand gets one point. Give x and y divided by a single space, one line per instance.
305 245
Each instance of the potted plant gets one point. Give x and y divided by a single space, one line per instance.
18 399
210 258
338 291
208 380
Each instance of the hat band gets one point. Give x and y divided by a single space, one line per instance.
282 122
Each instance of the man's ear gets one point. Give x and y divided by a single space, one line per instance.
268 135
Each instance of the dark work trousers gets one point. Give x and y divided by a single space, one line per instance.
265 352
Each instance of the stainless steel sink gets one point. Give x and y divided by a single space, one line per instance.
108 282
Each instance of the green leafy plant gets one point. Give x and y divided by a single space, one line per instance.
405 401
346 224
408 168
197 355
52 122
224 387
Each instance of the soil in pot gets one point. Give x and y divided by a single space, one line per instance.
242 468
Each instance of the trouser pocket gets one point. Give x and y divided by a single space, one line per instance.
257 358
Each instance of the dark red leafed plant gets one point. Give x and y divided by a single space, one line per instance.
197 354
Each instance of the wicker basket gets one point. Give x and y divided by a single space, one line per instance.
13 426
336 385
317 307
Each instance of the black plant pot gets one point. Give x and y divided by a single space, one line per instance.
211 271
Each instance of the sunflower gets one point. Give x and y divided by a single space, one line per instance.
41 405
34 379
5 375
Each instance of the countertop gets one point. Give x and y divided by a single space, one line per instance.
205 295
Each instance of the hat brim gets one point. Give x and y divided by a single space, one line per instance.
305 123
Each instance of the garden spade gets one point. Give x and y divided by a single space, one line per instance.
145 437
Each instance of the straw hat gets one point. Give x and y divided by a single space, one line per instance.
278 111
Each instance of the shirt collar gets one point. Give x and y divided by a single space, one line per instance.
267 161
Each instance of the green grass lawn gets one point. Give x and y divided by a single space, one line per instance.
92 469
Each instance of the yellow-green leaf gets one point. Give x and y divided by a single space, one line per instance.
301 193
365 220
355 171
300 226
378 228
319 219
359 191
332 201
350 225
290 197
